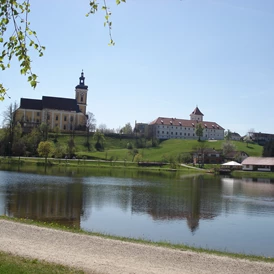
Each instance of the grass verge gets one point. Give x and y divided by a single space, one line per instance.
11 264
142 241
252 174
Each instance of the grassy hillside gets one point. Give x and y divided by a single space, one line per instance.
116 148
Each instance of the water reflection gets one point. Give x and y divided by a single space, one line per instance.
206 211
46 201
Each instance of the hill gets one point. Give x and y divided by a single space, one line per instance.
115 148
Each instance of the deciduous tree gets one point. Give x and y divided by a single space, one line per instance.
45 149
99 140
14 19
90 127
228 147
228 135
199 131
268 150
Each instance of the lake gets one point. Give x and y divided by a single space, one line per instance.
235 215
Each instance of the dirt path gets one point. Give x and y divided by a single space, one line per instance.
111 256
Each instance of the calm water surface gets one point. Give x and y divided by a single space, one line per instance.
203 211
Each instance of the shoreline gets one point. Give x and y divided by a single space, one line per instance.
105 254
167 245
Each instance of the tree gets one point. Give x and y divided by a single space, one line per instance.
59 151
45 149
9 126
90 126
14 19
56 132
127 129
102 128
32 140
268 150
247 139
99 140
19 148
228 147
44 128
200 151
71 147
228 134
199 131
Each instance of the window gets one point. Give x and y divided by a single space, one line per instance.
56 118
71 118
176 133
171 133
37 120
180 133
38 114
163 132
82 99
65 118
158 131
65 127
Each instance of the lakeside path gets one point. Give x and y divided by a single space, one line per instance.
92 253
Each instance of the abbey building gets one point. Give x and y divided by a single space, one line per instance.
66 113
172 128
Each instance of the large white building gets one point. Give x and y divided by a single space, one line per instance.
174 128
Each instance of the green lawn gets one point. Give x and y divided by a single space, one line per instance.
116 148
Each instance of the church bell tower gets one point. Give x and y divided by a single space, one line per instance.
81 92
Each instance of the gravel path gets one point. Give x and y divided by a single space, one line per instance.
102 255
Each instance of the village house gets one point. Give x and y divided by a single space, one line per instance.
261 138
258 164
65 113
174 128
235 136
207 156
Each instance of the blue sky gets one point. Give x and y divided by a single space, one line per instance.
169 57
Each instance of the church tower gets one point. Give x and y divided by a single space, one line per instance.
81 92
196 115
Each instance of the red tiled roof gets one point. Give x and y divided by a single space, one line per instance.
264 161
196 111
184 123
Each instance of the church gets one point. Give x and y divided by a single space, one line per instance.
65 113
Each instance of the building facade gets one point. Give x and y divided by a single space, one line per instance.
173 128
65 113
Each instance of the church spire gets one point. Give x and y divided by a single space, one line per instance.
81 82
82 79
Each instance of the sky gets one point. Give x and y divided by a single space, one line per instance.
168 58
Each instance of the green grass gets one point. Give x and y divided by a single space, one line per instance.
252 174
116 148
143 241
10 264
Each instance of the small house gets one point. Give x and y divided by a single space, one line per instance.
258 164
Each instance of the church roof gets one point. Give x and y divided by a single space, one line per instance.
31 104
48 102
184 123
60 103
196 111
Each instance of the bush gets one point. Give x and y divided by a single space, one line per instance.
129 146
98 146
